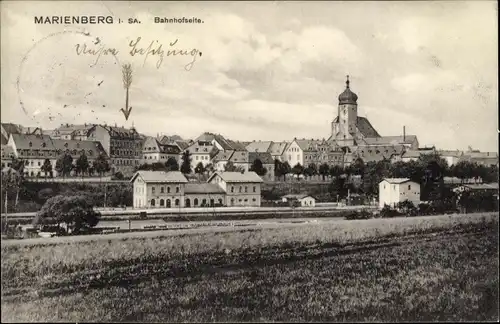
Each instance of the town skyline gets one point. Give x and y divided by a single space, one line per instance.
256 81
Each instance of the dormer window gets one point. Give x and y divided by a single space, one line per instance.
31 144
65 144
43 144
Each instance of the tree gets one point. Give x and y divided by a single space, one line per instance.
209 168
324 169
18 166
172 164
230 167
73 211
9 186
64 164
119 176
186 162
82 164
101 165
310 170
285 169
258 167
199 169
335 171
46 167
298 169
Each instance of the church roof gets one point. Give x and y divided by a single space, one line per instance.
364 126
348 97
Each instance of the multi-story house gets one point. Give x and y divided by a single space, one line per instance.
35 149
277 150
481 158
239 158
203 152
306 152
7 155
154 151
242 189
159 189
220 160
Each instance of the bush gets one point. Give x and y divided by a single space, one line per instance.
388 212
363 214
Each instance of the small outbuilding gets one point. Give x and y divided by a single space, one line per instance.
304 200
395 190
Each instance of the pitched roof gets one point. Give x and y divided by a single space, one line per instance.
239 157
237 176
237 146
160 176
259 146
45 142
264 157
81 129
296 196
182 144
390 140
364 126
481 155
12 128
169 148
450 153
415 154
277 148
7 151
223 156
396 180
203 188
115 131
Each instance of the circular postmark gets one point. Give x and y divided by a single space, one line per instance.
56 83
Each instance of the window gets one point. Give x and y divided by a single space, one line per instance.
153 190
169 204
240 188
168 189
246 189
204 202
162 190
254 189
152 202
177 202
177 189
232 189
220 201
409 187
196 201
254 199
162 202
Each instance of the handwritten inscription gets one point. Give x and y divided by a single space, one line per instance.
139 48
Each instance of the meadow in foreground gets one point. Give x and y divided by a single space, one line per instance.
440 269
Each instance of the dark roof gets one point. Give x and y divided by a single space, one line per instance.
390 140
223 156
250 177
364 126
203 188
44 142
160 176
182 144
348 97
264 157
115 131
237 146
169 148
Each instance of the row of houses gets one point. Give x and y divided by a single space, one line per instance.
126 149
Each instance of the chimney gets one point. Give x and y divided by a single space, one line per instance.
404 133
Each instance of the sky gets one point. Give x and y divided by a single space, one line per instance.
267 70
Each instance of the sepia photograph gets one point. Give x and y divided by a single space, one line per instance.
249 161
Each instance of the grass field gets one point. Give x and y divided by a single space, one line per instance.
428 268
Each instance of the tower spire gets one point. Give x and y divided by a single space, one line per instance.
347 82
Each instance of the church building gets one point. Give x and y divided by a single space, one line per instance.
359 138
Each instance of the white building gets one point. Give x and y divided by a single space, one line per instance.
304 200
395 190
242 189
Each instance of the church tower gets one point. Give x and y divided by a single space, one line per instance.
344 126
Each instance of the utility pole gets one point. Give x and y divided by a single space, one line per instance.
105 193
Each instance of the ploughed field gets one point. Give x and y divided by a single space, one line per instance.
422 268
